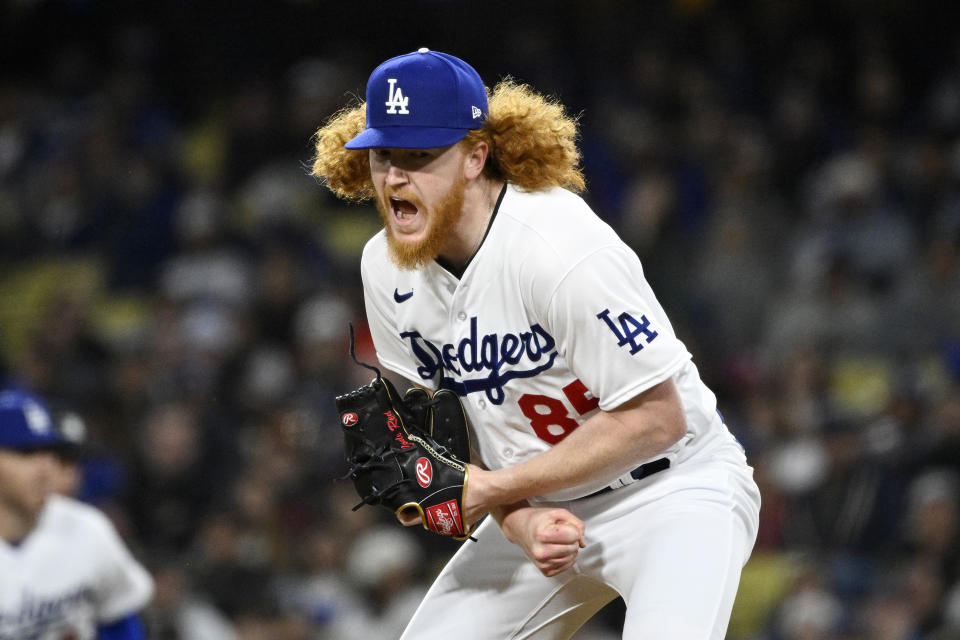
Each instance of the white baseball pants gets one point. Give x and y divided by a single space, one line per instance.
672 545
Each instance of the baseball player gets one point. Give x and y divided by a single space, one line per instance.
605 464
64 572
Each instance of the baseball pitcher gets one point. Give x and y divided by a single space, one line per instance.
586 433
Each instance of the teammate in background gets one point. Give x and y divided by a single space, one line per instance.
64 571
606 465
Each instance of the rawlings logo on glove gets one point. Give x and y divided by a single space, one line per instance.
407 454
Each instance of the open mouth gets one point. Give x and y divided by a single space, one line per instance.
403 210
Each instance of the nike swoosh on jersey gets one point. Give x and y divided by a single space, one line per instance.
402 297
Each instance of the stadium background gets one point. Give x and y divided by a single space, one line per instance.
789 172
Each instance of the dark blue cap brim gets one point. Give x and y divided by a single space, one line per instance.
31 442
34 447
406 138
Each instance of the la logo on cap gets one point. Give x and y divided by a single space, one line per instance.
449 100
396 98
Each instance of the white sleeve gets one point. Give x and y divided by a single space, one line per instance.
610 327
123 586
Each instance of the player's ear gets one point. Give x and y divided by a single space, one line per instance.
475 160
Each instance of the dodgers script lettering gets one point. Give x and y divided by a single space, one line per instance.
502 357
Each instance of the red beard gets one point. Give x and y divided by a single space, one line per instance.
408 254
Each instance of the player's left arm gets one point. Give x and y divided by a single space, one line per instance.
610 328
617 439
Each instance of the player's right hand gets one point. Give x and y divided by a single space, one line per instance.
550 537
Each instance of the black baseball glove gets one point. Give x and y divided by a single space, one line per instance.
408 453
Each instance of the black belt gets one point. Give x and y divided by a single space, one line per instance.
639 473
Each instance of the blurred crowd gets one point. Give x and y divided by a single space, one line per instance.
170 273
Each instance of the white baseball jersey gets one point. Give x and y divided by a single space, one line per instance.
69 575
551 321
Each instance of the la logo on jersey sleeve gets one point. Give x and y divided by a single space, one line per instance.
633 332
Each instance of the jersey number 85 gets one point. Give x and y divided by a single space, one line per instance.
554 424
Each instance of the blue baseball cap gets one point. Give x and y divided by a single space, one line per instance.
421 100
26 423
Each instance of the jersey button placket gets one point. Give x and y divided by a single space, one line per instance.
462 316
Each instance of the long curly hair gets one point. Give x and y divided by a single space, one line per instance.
532 144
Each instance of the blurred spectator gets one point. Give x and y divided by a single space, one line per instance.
932 524
178 612
173 478
811 611
317 588
386 565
